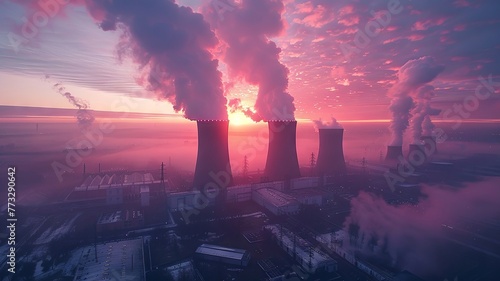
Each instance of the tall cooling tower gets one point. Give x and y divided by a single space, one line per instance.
212 164
416 152
282 162
331 155
393 152
430 144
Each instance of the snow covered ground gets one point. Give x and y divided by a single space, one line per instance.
56 232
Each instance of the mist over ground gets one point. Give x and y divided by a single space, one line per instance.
142 145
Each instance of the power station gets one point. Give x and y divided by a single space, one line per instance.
393 152
282 162
212 160
331 154
416 152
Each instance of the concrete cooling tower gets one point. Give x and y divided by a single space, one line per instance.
212 163
393 152
416 152
282 162
331 155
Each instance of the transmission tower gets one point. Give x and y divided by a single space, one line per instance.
245 167
313 162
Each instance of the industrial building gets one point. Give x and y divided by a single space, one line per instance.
312 260
121 260
119 188
271 195
335 241
183 271
275 201
178 201
306 182
225 255
120 220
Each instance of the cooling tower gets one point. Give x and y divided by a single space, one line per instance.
282 162
393 152
213 168
430 144
416 153
331 155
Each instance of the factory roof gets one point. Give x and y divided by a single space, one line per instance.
245 186
110 218
179 271
223 252
119 216
307 192
276 198
303 249
93 182
122 260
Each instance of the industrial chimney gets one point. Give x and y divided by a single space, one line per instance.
282 162
213 168
393 152
331 155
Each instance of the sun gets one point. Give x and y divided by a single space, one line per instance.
239 119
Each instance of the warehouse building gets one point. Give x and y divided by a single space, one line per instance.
311 259
121 260
120 220
225 255
275 201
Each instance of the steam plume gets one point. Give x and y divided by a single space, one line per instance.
320 124
84 116
171 45
410 234
235 105
411 76
427 126
422 111
250 55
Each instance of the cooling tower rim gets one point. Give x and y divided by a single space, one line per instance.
331 129
282 121
212 120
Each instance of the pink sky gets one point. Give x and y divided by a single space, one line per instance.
324 80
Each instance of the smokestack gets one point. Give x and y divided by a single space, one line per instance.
331 155
282 162
393 152
212 164
430 144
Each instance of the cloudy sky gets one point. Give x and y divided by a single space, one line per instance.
343 56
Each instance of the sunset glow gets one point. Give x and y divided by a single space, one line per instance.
250 140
